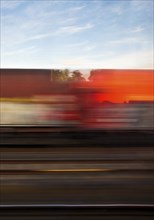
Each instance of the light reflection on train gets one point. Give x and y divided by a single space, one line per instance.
75 110
109 99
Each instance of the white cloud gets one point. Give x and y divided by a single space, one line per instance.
69 21
20 51
76 9
128 40
73 29
37 37
138 29
85 46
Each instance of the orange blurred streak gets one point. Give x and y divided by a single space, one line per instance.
125 85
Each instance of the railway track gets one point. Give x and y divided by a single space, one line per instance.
75 139
40 182
68 181
111 166
77 212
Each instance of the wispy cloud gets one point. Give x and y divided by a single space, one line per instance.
128 40
82 46
68 30
68 21
36 37
138 29
73 29
72 33
20 51
76 9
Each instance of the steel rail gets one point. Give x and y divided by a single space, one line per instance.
76 161
110 206
44 171
77 211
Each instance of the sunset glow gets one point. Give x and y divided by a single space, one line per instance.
124 85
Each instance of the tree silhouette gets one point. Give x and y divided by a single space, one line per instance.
66 75
60 75
77 76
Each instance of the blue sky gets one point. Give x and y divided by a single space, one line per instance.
77 34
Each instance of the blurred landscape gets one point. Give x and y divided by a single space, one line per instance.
77 110
69 144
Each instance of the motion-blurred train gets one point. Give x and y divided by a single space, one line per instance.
107 100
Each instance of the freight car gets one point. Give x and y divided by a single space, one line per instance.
110 100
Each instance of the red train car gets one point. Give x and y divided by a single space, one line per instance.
124 85
110 99
24 82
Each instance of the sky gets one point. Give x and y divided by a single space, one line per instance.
75 34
